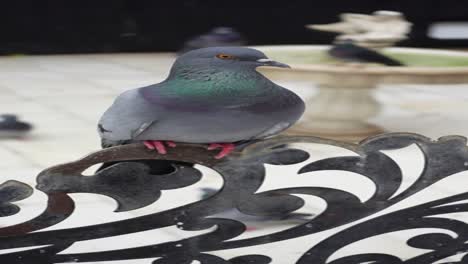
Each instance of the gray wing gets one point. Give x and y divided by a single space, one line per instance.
128 117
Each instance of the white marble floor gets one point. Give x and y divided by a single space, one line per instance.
63 96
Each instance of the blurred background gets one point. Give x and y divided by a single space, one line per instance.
54 26
64 62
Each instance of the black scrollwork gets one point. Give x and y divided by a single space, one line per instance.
130 183
134 186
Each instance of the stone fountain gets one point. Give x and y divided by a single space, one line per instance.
344 102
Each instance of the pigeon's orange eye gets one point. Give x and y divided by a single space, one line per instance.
225 56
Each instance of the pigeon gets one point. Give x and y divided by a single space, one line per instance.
350 52
10 126
219 36
212 96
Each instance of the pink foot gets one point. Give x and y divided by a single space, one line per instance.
158 145
226 148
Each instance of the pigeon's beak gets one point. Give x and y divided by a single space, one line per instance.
272 63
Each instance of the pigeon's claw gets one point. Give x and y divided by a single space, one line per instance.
214 146
158 145
226 148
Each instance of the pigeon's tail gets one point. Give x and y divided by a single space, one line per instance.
157 167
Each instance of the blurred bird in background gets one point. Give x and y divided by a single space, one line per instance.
349 52
10 126
217 37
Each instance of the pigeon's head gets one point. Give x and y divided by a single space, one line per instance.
221 58
345 43
225 34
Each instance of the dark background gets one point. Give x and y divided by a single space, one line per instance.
60 26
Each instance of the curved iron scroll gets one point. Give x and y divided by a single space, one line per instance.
133 186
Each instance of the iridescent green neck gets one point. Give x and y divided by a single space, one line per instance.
214 83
